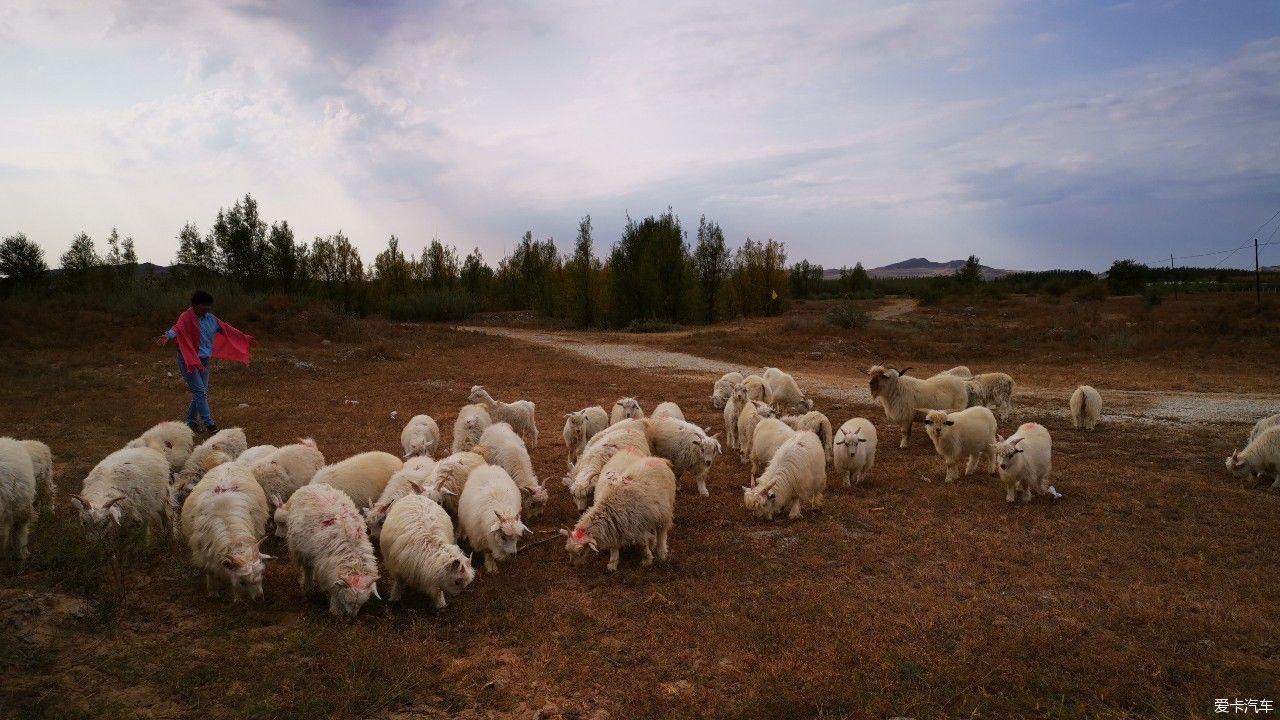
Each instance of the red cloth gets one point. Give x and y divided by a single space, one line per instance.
228 343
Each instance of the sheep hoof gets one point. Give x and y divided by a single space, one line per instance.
702 490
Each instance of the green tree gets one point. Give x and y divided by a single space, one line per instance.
1127 277
477 277
391 269
650 267
439 266
579 271
528 277
196 253
113 249
82 256
240 237
336 265
805 278
711 264
284 258
970 274
22 261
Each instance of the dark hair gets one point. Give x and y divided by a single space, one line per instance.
200 297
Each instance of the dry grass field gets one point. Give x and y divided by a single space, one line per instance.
1148 591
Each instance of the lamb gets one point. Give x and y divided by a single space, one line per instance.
625 409
223 518
42 465
17 498
1086 408
1024 461
751 414
489 514
362 477
1260 427
450 477
732 409
499 445
686 445
230 442
257 453
723 388
581 426
757 389
795 477
901 396
854 450
128 486
637 509
581 480
992 390
419 552
668 410
784 393
327 541
408 480
472 420
1261 457
174 440
421 436
816 423
769 435
519 414
967 435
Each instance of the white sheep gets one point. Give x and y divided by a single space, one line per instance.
42 465
901 396
723 388
751 414
816 423
228 442
627 408
614 469
17 498
1024 460
283 472
581 480
1086 408
421 436
223 519
174 440
328 543
489 515
419 552
687 446
991 390
408 480
795 477
960 371
128 486
450 477
637 509
1261 457
854 450
362 477
784 393
255 454
732 409
471 422
519 414
581 426
769 435
1259 427
757 389
668 409
966 436
499 445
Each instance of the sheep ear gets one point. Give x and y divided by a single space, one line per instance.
417 488
407 455
999 438
266 557
564 532
276 501
447 491
948 423
1016 441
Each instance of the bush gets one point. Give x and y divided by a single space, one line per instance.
431 306
650 326
1152 295
847 315
1093 292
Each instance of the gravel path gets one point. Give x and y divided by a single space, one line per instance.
1134 406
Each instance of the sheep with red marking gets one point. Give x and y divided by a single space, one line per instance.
172 439
637 508
223 446
901 396
223 519
328 543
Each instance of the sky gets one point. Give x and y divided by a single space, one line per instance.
1033 134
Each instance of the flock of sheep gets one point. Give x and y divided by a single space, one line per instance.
224 498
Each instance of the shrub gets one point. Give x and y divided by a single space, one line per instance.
1152 295
650 326
1093 292
847 315
431 306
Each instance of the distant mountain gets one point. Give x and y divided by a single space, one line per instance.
922 267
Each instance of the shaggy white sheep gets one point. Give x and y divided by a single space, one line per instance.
581 426
225 445
17 498
990 390
408 480
128 486
967 436
1261 457
1259 427
42 465
450 477
723 389
854 450
174 440
328 543
757 389
519 414
732 409
668 409
751 414
284 471
784 393
499 445
816 423
581 480
489 515
795 477
256 454
769 435
421 436
614 469
419 552
471 422
901 396
637 509
1024 460
627 408
223 519
1086 408
687 446
362 477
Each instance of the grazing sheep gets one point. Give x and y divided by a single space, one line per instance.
816 423
255 454
751 414
580 427
668 410
637 509
1086 408
757 389
471 422
328 543
42 465
581 480
450 477
419 552
686 445
223 519
625 409
991 390
1261 457
499 445
519 414
854 450
614 469
723 388
362 477
795 477
489 515
1024 460
959 371
408 480
17 498
784 393
284 471
222 446
421 436
965 436
1260 427
128 486
901 396
732 409
769 435
174 440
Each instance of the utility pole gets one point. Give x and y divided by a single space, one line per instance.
1175 279
1257 273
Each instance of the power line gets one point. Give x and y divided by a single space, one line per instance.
1231 251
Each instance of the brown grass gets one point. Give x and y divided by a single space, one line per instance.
1147 592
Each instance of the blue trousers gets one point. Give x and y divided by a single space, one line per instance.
198 383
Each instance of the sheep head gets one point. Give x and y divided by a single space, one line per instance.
708 449
880 379
1238 466
935 421
349 594
851 442
98 519
244 572
577 541
1007 451
478 395
458 572
506 531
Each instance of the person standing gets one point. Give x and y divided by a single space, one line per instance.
200 337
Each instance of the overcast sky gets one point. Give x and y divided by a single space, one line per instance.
1035 134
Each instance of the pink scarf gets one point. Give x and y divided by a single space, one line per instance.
228 343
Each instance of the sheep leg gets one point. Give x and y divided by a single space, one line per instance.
305 581
702 484
953 470
906 433
795 509
613 560
1026 492
646 550
848 478
441 603
490 565
18 540
662 543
